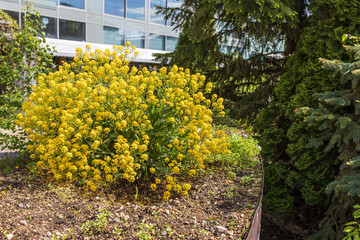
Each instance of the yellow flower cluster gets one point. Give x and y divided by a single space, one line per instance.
97 119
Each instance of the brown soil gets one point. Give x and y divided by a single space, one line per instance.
37 208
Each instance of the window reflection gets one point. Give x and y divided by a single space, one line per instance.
115 7
136 38
173 4
73 3
171 43
71 30
114 36
49 25
156 42
135 9
157 18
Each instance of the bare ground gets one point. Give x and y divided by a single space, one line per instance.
218 207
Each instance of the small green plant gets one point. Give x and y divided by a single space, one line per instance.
136 196
246 180
170 231
66 236
244 150
203 231
352 229
117 231
229 192
145 231
96 225
231 225
155 213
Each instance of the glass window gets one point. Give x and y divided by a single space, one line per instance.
71 30
171 43
137 39
173 4
13 15
135 9
115 7
156 42
73 3
49 25
157 18
114 36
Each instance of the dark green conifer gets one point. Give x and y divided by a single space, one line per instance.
337 117
296 176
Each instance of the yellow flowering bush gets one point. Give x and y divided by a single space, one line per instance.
98 119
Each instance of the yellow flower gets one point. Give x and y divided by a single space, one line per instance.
109 177
186 187
175 170
192 172
153 187
152 170
166 195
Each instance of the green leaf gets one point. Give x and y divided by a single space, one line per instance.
348 229
350 223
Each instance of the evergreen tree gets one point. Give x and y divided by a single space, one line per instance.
237 45
337 117
296 176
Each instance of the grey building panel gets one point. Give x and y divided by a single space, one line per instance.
48 12
171 32
95 6
70 14
44 4
9 5
12 1
114 22
94 18
94 33
156 29
135 26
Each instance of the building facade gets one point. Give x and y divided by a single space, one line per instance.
101 22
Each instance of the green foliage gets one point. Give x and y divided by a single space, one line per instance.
11 162
337 118
253 33
295 175
352 229
146 231
244 151
24 56
97 225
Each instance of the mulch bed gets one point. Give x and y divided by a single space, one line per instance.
41 209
